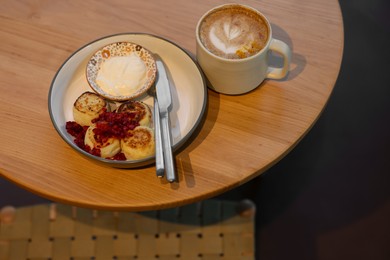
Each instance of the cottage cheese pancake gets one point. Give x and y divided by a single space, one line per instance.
139 143
108 146
142 111
234 32
87 107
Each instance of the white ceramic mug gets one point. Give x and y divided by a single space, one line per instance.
238 76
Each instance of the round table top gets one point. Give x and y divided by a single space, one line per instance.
239 138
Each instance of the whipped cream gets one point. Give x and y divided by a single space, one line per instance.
122 75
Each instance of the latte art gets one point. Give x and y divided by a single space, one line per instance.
233 33
228 35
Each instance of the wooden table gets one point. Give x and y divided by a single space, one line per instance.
240 138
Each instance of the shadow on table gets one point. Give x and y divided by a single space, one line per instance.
200 133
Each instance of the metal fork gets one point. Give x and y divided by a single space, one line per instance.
157 134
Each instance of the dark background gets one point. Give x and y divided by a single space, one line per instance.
330 197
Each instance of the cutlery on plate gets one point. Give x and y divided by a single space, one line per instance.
157 135
163 92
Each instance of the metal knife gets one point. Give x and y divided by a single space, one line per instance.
163 92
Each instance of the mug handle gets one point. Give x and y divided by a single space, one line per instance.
283 49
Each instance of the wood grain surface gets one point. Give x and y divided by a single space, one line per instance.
240 137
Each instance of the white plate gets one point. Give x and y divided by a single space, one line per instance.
188 88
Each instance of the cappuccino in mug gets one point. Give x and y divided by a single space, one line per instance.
232 46
234 32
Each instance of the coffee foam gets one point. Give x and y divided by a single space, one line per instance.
233 33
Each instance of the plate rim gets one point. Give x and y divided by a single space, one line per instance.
141 162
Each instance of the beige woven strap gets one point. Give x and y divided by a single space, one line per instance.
211 229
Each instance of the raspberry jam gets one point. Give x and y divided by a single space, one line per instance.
108 125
